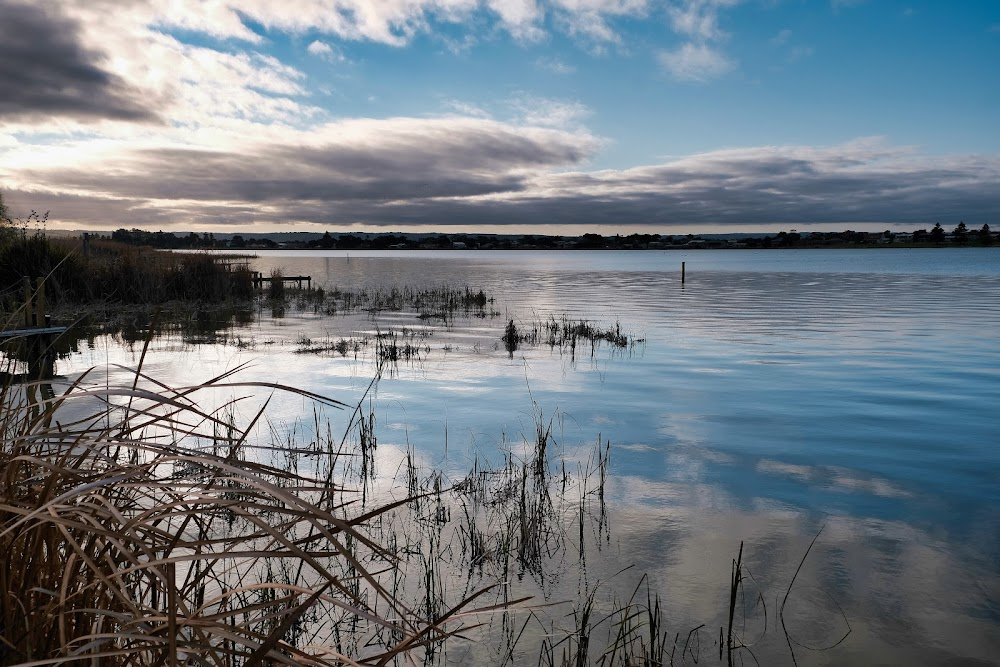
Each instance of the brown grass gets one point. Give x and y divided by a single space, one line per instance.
137 529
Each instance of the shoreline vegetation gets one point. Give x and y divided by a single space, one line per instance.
935 237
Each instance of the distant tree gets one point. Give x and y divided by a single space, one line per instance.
237 241
961 233
350 242
919 236
590 241
326 241
383 241
937 234
984 235
788 240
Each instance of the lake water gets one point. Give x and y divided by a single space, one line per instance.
773 395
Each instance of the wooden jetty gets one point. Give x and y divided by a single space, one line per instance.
28 333
259 280
36 321
33 339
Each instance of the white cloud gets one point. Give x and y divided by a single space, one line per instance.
698 19
520 17
537 111
695 62
318 48
591 20
700 58
325 51
393 22
467 110
554 65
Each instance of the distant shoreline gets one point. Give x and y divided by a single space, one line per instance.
961 236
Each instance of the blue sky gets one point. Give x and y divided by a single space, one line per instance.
556 116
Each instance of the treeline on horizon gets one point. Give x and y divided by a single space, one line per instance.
936 236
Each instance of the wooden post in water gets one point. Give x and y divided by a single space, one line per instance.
26 282
682 272
40 316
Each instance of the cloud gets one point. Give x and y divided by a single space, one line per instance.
461 171
592 20
338 167
695 62
318 48
74 59
699 59
532 110
554 65
698 19
325 51
45 71
521 18
392 22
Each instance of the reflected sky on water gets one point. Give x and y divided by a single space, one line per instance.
774 393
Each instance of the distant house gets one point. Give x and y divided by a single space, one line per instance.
903 237
458 245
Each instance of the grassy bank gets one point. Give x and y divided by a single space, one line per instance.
110 272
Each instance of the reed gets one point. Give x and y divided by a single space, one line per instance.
116 273
144 530
440 302
566 334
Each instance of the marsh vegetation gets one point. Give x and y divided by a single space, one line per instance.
141 528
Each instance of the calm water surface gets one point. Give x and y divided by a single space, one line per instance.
775 393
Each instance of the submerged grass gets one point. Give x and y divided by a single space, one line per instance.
441 302
567 334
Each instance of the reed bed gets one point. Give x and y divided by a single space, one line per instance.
114 273
148 531
566 334
441 302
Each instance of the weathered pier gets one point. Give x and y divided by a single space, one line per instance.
259 280
32 339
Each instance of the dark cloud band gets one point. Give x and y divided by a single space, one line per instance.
469 181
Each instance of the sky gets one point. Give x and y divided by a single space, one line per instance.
501 116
